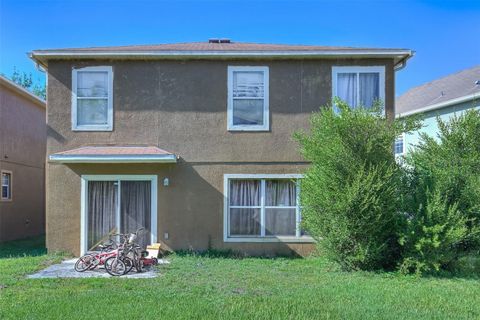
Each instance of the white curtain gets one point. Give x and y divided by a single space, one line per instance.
245 207
369 88
280 220
347 88
135 209
102 207
244 220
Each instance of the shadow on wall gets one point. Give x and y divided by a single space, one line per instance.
52 133
201 86
190 208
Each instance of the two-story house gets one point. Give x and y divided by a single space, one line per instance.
193 141
22 162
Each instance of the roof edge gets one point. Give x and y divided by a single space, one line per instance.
43 57
23 92
440 105
134 158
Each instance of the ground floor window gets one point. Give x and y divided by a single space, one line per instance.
6 185
262 207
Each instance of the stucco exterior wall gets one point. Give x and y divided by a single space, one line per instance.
181 106
22 152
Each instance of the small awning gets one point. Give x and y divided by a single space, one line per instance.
114 154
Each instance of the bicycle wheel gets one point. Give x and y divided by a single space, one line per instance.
85 262
128 264
115 267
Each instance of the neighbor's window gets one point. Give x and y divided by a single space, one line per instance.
248 98
262 208
92 101
399 146
359 86
6 185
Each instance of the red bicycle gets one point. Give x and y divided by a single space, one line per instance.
118 258
90 261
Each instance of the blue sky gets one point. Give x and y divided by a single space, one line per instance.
444 34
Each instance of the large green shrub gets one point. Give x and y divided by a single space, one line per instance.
443 199
350 192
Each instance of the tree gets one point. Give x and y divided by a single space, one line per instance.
350 193
444 202
25 80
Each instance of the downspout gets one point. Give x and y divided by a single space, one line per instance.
38 65
403 63
399 66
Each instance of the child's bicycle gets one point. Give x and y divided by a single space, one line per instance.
92 260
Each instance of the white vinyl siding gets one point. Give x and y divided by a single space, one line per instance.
248 90
92 100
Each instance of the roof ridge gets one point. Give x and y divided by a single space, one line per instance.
233 43
440 79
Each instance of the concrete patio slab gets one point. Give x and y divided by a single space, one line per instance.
66 270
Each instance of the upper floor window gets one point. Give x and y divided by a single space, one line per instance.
248 99
359 86
6 185
92 101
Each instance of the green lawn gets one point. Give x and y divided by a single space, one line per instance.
194 287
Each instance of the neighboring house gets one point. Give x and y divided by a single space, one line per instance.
444 97
192 141
22 162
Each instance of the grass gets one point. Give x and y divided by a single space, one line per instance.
218 287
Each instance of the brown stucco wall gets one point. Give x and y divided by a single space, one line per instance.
180 106
22 151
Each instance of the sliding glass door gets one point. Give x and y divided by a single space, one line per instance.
135 209
118 206
102 211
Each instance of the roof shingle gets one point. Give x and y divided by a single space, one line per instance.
215 51
451 87
114 150
206 46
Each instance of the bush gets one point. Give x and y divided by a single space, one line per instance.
444 196
350 193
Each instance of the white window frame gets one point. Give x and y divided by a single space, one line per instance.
402 136
266 112
360 69
9 186
299 238
84 203
95 127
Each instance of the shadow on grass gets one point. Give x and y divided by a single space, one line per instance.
29 247
466 268
228 254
